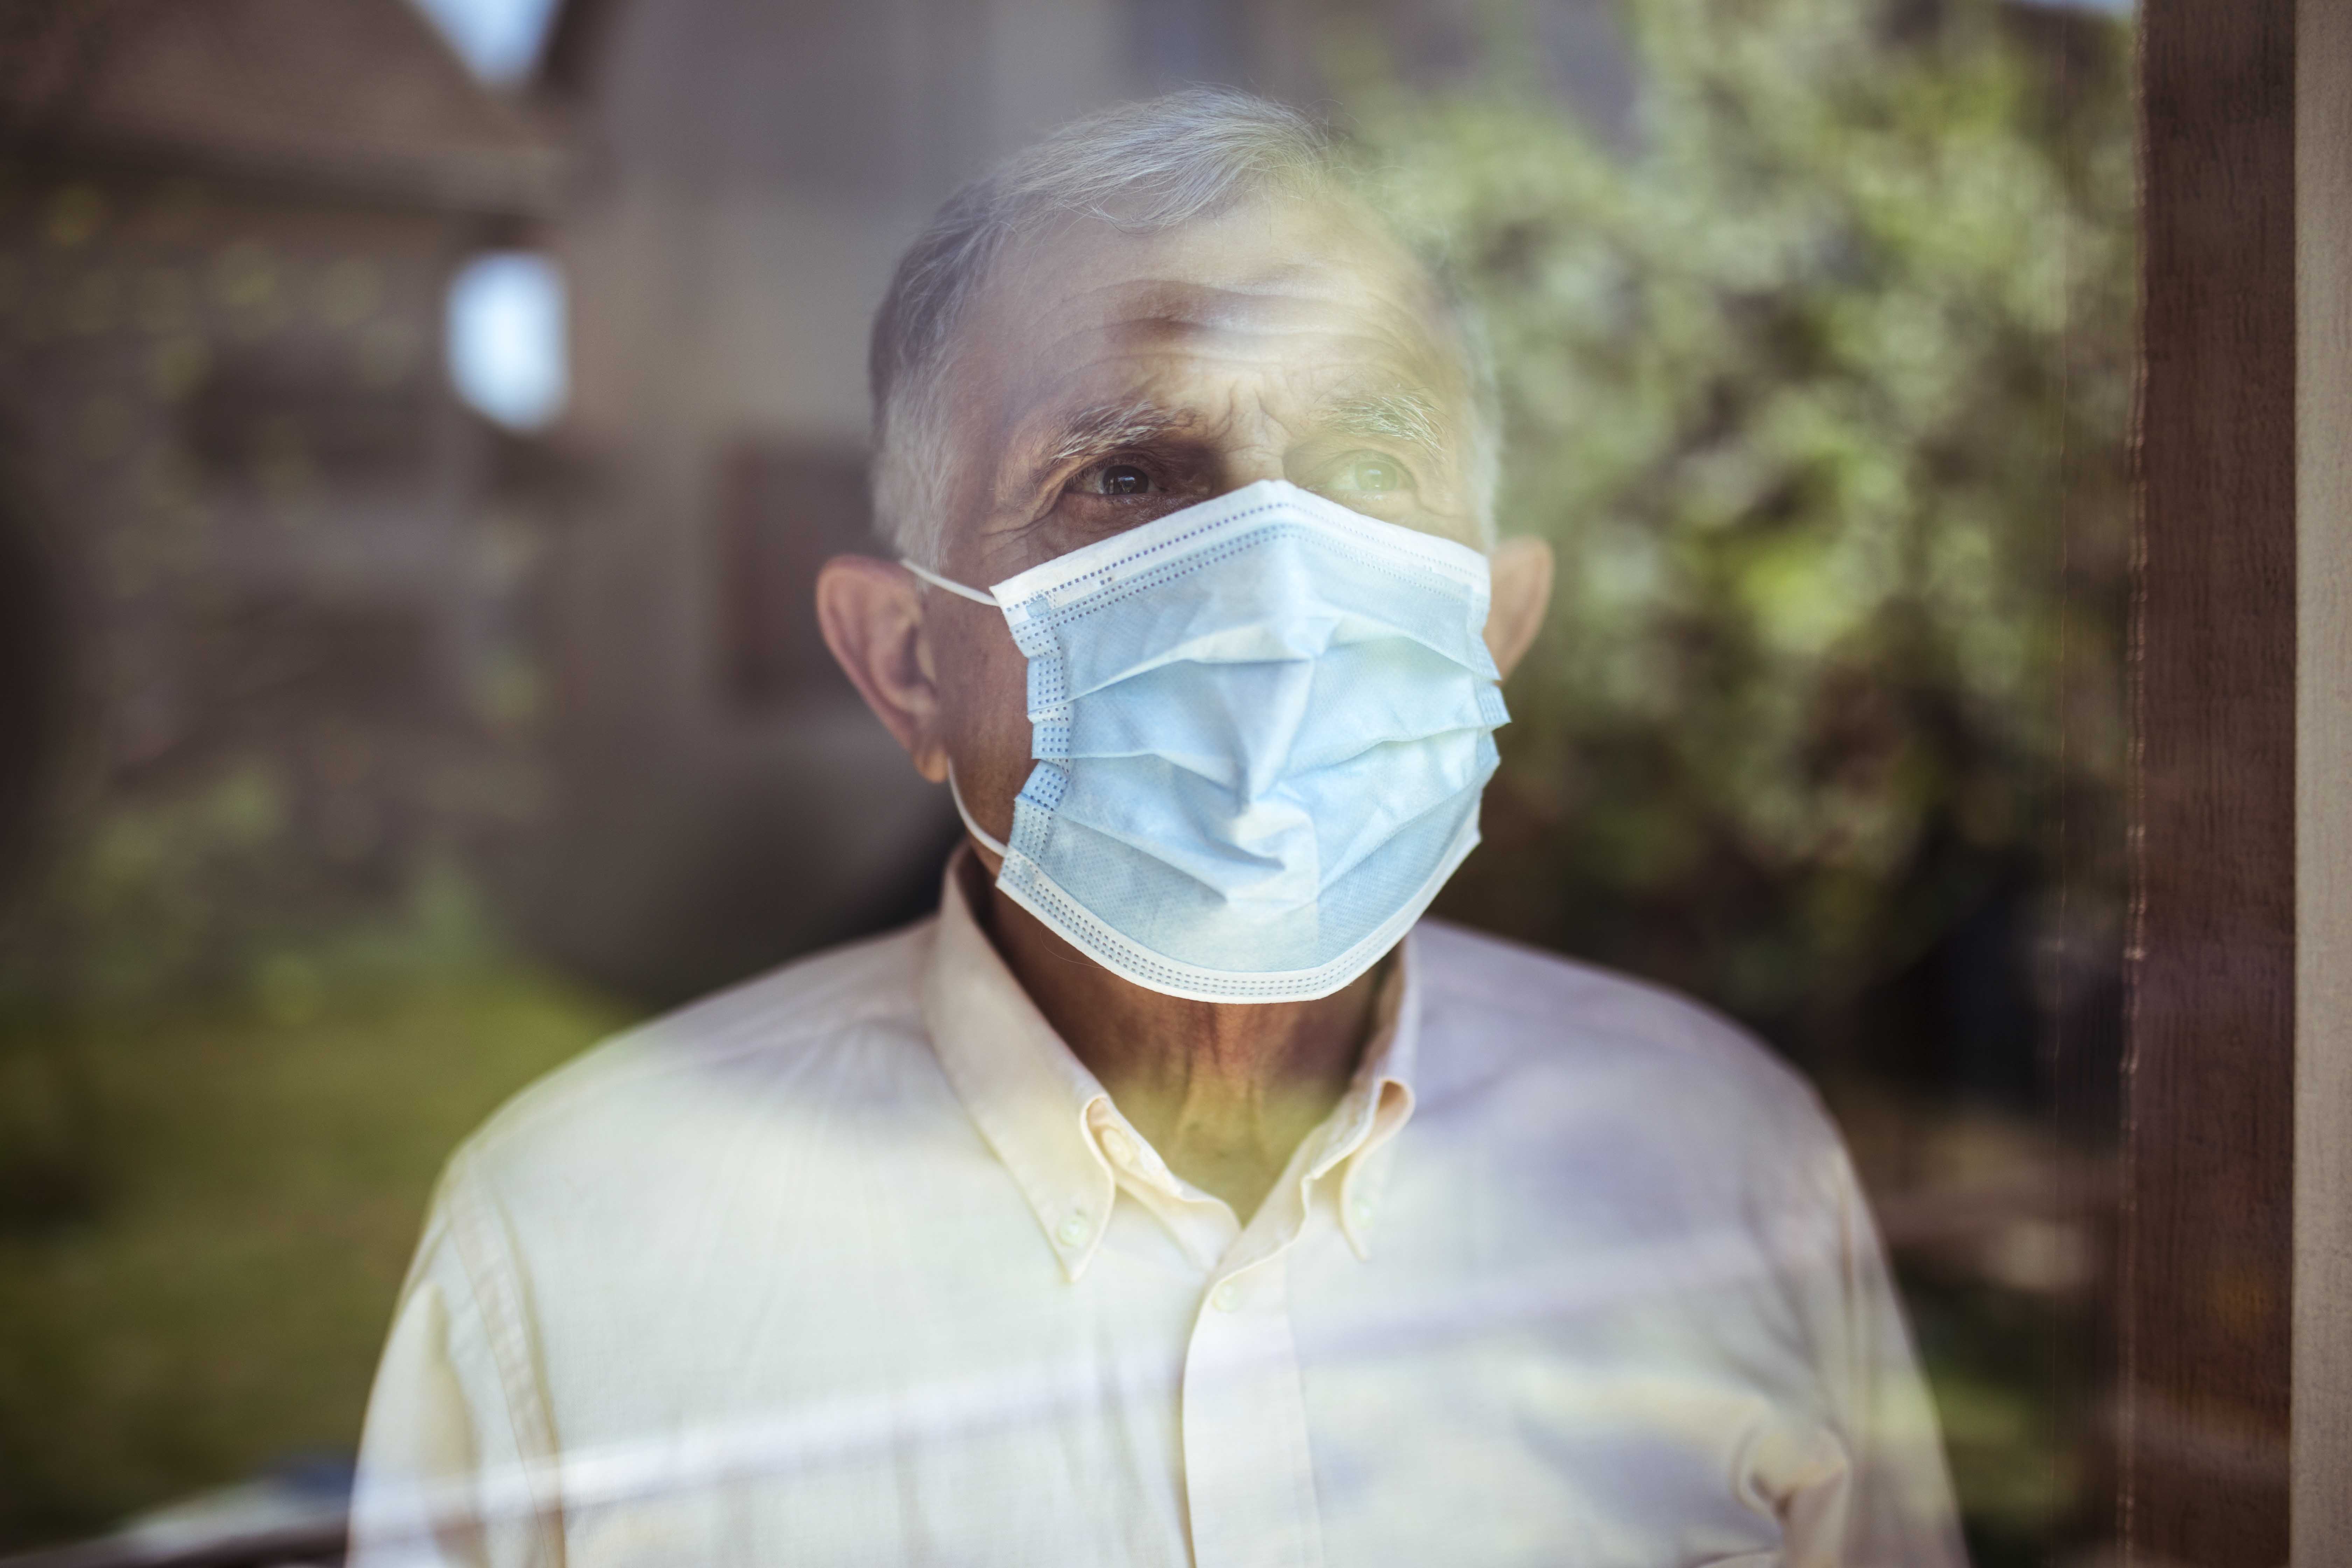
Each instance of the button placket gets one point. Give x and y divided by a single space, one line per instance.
1248 1471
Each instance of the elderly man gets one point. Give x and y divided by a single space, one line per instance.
1170 1196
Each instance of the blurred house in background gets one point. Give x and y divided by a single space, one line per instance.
270 626
292 620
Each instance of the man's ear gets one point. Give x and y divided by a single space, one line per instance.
872 616
1521 570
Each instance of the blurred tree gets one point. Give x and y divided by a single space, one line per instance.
1822 387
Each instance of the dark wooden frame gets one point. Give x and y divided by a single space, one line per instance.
2205 1320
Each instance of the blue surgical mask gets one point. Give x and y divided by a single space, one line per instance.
1261 727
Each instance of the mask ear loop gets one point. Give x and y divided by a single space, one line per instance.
950 583
987 841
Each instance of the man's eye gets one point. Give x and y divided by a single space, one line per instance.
1367 473
1118 479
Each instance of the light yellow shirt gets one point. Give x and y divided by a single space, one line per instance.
857 1263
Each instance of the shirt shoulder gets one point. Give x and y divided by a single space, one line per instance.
844 1024
1575 1041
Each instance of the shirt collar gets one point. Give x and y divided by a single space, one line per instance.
1034 1101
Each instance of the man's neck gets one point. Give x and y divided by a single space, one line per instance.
1225 1091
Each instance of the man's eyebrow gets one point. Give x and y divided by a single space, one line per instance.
1400 414
1110 428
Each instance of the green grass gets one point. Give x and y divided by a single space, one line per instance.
261 1173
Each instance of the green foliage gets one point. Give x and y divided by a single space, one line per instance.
169 904
1820 389
156 891
265 1173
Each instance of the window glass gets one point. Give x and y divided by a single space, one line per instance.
389 730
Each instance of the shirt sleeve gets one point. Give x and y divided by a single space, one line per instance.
455 1462
1886 1499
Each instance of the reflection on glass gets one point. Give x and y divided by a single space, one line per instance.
362 768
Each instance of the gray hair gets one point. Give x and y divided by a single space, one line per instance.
1141 167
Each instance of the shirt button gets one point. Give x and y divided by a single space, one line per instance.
1227 1296
1074 1230
1118 1145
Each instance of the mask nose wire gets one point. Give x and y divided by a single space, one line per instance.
950 583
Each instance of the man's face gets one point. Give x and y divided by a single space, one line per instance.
1106 379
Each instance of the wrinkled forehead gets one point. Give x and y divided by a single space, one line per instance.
1288 292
